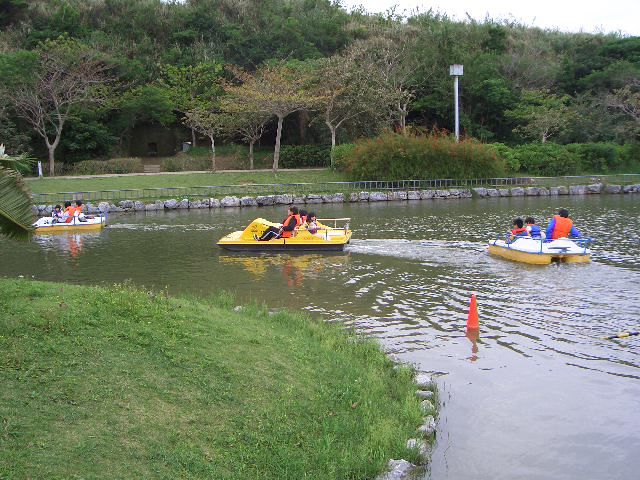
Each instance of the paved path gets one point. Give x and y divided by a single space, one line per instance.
111 175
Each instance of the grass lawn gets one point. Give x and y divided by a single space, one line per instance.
62 184
119 383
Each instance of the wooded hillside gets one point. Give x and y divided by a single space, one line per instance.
86 73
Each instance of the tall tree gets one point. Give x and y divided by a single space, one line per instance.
627 100
347 92
249 126
541 114
192 86
67 75
211 123
278 89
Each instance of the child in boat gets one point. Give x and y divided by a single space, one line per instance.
314 226
532 229
303 218
561 226
519 230
78 213
56 214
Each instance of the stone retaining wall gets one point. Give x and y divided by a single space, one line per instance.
361 197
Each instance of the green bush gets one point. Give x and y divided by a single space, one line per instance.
341 154
547 159
186 163
299 156
393 156
630 156
506 153
114 165
597 157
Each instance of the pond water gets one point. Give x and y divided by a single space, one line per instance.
538 395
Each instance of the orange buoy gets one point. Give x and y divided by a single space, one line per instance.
472 318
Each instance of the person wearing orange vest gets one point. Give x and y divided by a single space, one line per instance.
286 230
69 211
561 226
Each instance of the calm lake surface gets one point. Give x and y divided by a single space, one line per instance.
539 395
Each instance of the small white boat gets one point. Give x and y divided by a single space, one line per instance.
90 223
541 252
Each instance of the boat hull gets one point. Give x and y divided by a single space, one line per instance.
279 248
76 226
540 252
537 258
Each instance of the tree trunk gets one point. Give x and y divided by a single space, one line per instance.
333 140
303 120
213 153
52 162
251 142
52 151
276 150
194 139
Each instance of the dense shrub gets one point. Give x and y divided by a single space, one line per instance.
341 154
547 159
398 157
506 153
597 157
299 156
630 156
98 167
186 163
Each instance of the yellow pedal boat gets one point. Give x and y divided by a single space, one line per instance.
92 223
329 239
537 251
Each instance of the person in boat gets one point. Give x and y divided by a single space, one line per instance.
286 230
79 211
561 226
519 230
303 217
314 226
69 211
56 215
533 230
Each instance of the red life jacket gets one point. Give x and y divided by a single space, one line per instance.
562 228
517 231
287 222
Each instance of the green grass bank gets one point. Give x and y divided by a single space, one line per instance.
123 383
62 184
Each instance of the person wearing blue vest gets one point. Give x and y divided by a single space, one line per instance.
534 230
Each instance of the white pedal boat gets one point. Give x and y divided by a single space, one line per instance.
92 223
540 252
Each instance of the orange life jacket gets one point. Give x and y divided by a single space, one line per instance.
69 211
286 223
562 227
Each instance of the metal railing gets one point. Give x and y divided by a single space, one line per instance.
322 188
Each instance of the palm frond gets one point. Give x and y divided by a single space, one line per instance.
16 217
21 163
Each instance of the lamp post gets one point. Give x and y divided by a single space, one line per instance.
456 71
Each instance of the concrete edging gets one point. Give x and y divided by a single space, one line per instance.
355 197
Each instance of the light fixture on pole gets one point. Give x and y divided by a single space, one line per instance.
456 71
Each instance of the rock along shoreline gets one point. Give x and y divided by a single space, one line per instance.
360 197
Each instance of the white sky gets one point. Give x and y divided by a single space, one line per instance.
566 15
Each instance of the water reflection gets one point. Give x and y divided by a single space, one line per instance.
293 267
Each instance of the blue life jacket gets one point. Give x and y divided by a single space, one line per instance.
534 231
